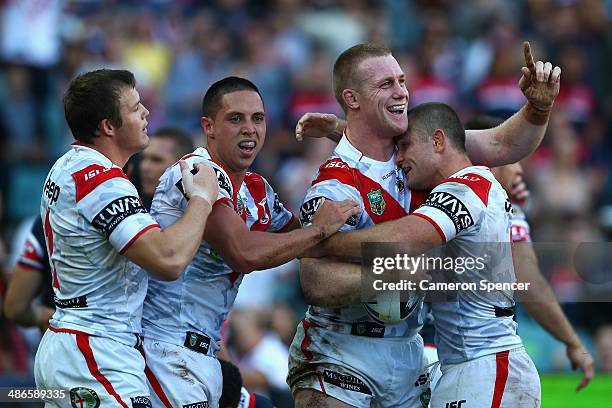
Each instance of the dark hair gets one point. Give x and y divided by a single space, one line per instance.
482 122
183 144
428 117
211 103
232 385
347 63
93 97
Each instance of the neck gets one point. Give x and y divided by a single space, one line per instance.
237 176
368 141
450 166
111 152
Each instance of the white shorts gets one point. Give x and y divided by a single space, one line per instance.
361 371
97 371
508 379
180 377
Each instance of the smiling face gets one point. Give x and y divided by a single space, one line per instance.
238 130
382 95
132 135
418 159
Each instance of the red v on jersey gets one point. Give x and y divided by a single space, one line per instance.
480 185
378 203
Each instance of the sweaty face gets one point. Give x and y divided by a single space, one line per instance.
132 135
156 158
238 129
383 95
417 159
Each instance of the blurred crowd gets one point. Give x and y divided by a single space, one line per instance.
464 53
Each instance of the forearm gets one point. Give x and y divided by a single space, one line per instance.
182 239
328 283
509 142
540 299
263 250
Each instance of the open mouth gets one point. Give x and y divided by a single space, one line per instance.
247 146
397 109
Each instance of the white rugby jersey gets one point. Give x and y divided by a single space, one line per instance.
91 214
201 298
521 232
470 210
381 190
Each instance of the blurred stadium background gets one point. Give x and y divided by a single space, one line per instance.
465 53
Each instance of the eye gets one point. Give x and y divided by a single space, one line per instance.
258 118
235 119
402 82
386 84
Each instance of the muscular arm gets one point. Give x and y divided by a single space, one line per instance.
21 292
166 253
246 251
541 304
327 283
411 228
507 143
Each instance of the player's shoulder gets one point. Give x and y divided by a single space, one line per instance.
201 155
470 182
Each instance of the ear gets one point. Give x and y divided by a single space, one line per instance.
350 99
208 125
106 128
439 140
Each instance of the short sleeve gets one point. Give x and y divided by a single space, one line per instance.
521 232
113 207
452 208
334 190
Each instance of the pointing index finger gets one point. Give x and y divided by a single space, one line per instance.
529 57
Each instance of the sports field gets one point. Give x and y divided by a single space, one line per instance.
558 391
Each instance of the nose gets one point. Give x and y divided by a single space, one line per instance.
145 110
400 91
249 127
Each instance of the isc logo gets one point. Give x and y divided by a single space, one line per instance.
338 164
454 404
94 173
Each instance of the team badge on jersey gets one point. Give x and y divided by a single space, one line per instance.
84 397
377 202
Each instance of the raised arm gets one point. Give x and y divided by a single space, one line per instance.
522 133
246 251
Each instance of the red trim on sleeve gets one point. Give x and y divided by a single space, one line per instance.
83 344
432 222
501 375
479 185
135 237
29 267
87 179
154 382
386 208
252 400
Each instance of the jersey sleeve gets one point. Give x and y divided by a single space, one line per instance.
34 254
453 209
521 232
110 202
333 183
281 216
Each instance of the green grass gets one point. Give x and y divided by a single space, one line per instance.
558 391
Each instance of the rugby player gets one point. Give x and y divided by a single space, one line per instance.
94 224
339 356
249 229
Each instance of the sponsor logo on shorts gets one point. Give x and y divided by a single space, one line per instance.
454 404
73 303
197 342
368 329
452 207
346 381
377 201
117 211
81 397
201 404
141 402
